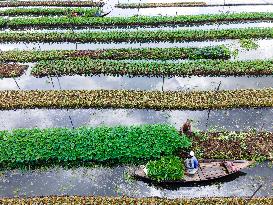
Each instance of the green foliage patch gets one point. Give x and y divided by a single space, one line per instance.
47 12
85 21
166 168
248 44
214 52
118 144
136 36
86 66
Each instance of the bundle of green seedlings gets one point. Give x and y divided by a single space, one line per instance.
136 36
52 3
118 145
213 52
86 66
11 70
127 200
48 12
126 21
192 100
153 5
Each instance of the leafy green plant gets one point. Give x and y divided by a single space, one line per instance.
118 144
153 5
248 44
192 100
84 21
49 12
166 168
87 66
132 36
51 3
213 52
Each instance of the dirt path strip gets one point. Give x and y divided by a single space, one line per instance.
195 100
127 200
12 70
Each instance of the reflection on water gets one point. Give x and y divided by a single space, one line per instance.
76 82
234 119
115 182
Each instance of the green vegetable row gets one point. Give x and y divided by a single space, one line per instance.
86 66
11 70
136 36
135 20
193 100
153 5
51 3
213 52
127 200
48 12
118 144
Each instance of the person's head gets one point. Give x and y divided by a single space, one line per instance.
191 154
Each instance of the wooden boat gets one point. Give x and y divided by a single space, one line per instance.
208 170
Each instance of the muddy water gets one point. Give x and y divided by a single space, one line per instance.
234 119
115 182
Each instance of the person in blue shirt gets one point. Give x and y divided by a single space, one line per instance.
191 164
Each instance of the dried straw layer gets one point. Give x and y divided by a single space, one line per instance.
193 100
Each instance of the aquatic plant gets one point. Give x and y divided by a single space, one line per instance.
83 21
153 5
49 12
11 70
234 145
127 200
166 168
51 3
192 100
248 44
136 36
87 66
120 144
211 52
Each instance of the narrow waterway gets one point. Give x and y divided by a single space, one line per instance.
115 181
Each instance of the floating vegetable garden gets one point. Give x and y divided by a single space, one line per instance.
86 66
127 200
155 145
153 5
214 52
252 145
101 144
136 36
49 12
51 3
247 98
84 21
11 70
